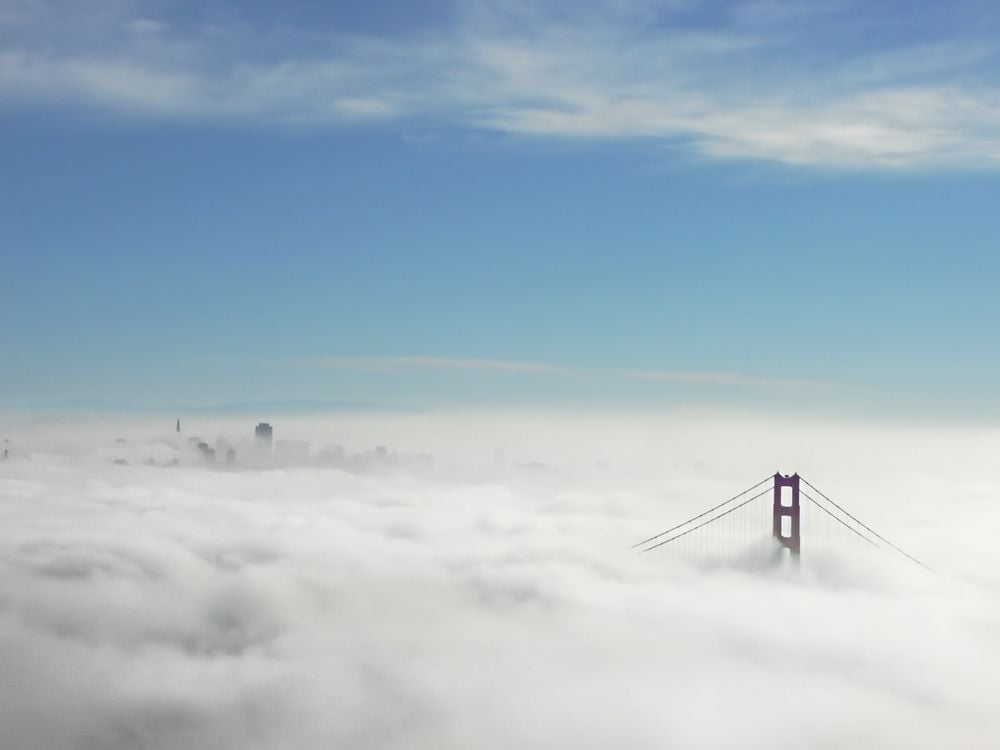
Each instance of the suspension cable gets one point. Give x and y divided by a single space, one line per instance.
839 520
701 515
862 524
703 523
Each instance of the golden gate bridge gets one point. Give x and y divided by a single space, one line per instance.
769 516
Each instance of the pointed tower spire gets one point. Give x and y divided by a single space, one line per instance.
178 425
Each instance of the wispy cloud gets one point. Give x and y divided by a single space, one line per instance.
411 364
415 364
728 379
801 83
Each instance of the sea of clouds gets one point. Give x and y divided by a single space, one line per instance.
490 600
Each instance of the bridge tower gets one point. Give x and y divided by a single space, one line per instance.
787 534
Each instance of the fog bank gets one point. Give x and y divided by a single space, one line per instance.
488 598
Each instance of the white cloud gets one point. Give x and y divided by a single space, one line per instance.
759 83
479 608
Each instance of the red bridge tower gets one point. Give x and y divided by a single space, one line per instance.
786 505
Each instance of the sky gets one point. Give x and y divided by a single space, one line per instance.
759 205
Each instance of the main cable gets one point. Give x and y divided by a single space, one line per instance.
704 523
701 515
839 520
863 525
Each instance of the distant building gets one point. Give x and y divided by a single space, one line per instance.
207 452
264 434
332 455
224 451
178 425
294 452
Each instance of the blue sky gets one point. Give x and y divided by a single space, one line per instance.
764 204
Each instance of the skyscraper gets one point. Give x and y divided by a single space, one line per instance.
264 434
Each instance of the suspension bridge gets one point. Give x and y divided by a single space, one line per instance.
769 516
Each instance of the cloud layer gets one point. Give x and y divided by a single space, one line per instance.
477 606
831 84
